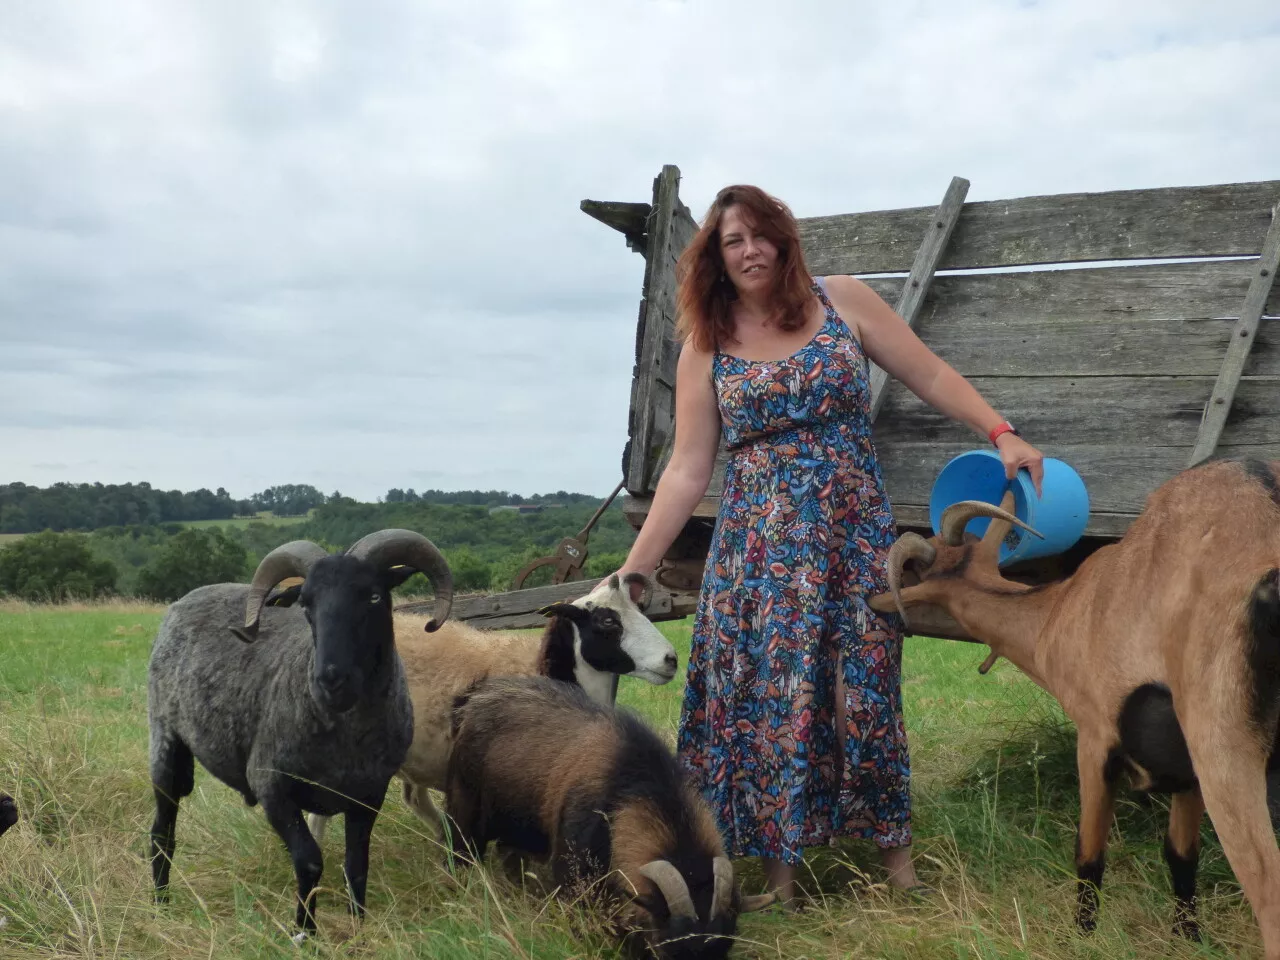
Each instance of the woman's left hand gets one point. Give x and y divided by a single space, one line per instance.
1016 454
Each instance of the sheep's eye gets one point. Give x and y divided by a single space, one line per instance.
375 597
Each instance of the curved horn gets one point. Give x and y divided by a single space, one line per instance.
909 546
722 887
292 559
388 548
676 892
957 516
646 594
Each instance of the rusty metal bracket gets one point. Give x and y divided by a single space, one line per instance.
570 553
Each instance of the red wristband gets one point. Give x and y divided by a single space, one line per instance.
1000 430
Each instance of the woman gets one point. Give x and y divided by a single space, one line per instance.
792 718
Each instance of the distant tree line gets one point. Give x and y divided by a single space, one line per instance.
92 506
484 498
484 547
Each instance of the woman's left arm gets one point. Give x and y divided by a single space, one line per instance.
891 344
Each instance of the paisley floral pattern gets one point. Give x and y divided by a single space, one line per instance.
800 543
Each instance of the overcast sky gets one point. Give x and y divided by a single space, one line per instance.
247 243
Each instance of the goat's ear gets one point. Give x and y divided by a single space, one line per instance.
398 575
561 610
285 598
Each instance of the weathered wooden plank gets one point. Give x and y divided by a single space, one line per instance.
629 219
1118 477
1103 525
1118 411
1079 323
1195 290
1243 334
918 281
653 382
517 609
1216 220
1098 347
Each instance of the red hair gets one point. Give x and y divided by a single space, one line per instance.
704 295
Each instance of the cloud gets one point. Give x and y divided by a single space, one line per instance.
244 244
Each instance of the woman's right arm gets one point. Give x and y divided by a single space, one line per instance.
688 472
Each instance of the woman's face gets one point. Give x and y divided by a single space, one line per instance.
750 259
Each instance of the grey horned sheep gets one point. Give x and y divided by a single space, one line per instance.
303 709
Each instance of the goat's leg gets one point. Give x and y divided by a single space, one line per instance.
1235 795
1182 854
465 818
286 819
172 778
359 827
1096 812
418 799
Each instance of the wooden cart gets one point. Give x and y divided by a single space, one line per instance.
1130 333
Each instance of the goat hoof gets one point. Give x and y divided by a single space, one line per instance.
1187 929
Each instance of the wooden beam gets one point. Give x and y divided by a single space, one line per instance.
518 609
913 516
1221 220
629 219
914 288
1242 336
653 383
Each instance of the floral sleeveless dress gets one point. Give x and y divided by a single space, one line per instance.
800 544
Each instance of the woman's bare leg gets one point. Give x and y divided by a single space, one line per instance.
780 878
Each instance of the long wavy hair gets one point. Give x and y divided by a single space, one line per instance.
705 295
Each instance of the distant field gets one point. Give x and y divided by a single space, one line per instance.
994 806
239 522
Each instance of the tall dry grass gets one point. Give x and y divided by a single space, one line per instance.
994 798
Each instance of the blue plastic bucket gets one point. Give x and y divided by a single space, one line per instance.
1061 514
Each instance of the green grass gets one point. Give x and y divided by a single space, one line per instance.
994 808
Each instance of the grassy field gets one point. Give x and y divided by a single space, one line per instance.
241 522
994 807
237 522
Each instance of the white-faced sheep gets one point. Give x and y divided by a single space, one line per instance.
1163 648
540 768
589 642
307 711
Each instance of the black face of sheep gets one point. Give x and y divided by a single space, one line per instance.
347 604
694 920
8 812
312 716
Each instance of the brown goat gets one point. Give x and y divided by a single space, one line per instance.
1163 648
539 767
